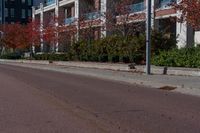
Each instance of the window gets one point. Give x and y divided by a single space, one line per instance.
12 12
29 2
29 13
6 12
23 13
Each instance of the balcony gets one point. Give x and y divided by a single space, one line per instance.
92 15
165 3
50 2
138 7
69 21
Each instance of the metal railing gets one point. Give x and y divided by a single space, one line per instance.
165 3
69 20
50 2
92 15
138 7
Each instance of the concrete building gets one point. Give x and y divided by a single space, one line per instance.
72 10
12 11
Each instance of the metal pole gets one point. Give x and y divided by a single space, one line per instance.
148 37
1 12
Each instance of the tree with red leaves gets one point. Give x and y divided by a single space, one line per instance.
33 33
190 12
57 32
121 20
14 36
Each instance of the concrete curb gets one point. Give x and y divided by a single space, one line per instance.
116 67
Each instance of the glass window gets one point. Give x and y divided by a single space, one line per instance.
23 13
12 12
6 12
29 13
29 2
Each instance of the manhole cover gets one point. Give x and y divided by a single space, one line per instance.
167 88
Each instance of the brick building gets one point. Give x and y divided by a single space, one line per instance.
162 14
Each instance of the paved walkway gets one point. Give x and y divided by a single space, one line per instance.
183 84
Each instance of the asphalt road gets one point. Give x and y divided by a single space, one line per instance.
39 101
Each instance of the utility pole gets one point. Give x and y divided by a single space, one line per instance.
148 37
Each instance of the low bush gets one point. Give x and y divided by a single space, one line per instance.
11 56
184 57
51 57
119 48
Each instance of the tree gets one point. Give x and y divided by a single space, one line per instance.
32 31
57 32
14 36
190 12
122 20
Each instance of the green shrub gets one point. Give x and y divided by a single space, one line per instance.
103 58
119 49
11 56
113 49
184 57
52 57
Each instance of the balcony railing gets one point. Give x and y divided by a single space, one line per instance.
138 7
92 15
165 3
69 21
50 2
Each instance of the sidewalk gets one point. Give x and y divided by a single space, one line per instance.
183 84
118 67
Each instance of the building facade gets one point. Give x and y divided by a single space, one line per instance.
163 16
13 11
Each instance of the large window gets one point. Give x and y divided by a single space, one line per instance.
29 2
23 13
29 13
23 1
6 12
12 12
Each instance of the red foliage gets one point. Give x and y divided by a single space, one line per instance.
20 36
57 31
122 21
14 36
33 32
190 10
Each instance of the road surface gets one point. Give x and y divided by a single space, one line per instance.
41 101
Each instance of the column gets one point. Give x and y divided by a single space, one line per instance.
103 6
33 19
77 11
153 23
197 38
97 5
56 24
41 27
184 33
181 33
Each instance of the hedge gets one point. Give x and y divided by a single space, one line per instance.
11 56
119 48
52 56
113 48
184 57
